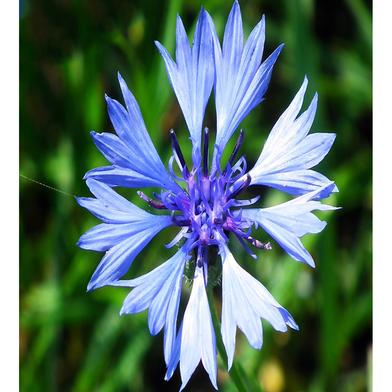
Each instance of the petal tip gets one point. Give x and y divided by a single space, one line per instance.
91 286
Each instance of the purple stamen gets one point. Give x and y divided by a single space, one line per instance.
181 221
177 151
245 246
237 146
153 203
258 244
205 152
244 183
239 167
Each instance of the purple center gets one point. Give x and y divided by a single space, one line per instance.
206 207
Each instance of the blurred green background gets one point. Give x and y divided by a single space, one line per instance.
70 52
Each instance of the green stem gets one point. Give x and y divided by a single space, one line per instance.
237 373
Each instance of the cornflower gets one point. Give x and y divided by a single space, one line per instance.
201 198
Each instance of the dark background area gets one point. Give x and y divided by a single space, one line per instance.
70 52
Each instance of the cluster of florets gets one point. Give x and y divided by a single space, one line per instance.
205 205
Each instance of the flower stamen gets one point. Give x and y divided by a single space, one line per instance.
151 202
178 153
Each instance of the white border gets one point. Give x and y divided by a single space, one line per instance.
9 104
382 176
382 194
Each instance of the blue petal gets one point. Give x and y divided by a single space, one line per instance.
111 207
232 47
129 125
119 258
104 212
198 337
171 320
289 221
110 197
130 228
312 149
241 65
170 288
132 148
289 151
286 239
255 92
297 182
192 76
120 176
284 130
175 355
122 155
113 149
132 128
244 302
104 236
160 292
147 287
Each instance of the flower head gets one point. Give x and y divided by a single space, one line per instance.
201 197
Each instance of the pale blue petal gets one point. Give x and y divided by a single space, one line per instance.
171 288
110 197
254 93
236 310
296 182
104 236
229 96
241 65
140 297
148 287
297 224
133 130
160 292
289 151
287 240
288 318
145 289
284 130
158 308
174 76
305 203
198 337
244 302
251 56
113 148
289 221
132 148
123 155
104 212
119 258
146 278
171 319
120 176
183 50
233 38
112 207
228 324
192 75
312 149
231 50
175 355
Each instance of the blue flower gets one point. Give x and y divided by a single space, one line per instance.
201 198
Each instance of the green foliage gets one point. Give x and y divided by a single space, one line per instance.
70 53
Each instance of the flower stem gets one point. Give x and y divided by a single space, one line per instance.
237 373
